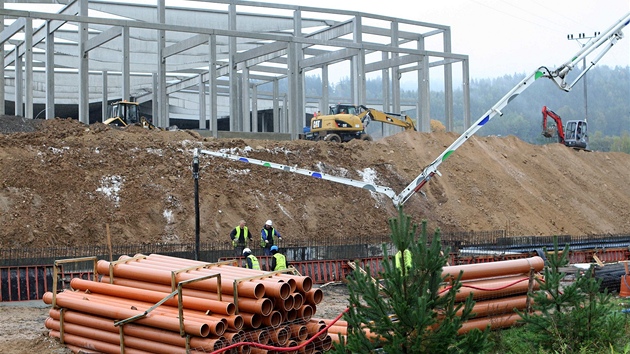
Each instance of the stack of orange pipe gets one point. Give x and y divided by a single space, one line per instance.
498 288
273 309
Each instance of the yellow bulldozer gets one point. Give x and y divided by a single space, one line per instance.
125 113
348 122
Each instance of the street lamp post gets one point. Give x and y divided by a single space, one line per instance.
579 38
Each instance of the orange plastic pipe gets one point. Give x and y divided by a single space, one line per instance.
309 348
247 289
314 296
252 320
327 321
131 329
327 343
498 306
273 289
494 269
259 336
289 344
274 319
302 283
234 322
94 345
292 315
261 306
238 272
286 304
280 335
298 300
114 338
314 327
234 336
502 321
114 312
499 284
306 312
343 330
298 331
216 325
188 302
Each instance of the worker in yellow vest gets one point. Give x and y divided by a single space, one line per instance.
240 236
399 260
278 260
251 262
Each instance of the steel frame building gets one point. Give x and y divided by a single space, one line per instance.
203 59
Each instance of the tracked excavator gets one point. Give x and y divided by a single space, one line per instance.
348 122
573 135
125 113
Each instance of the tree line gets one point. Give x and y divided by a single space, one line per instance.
608 104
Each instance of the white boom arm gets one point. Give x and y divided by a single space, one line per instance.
607 39
348 181
610 38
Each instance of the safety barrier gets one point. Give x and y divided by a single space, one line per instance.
23 283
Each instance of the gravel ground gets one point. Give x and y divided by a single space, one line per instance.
13 124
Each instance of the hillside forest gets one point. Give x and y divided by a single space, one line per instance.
608 101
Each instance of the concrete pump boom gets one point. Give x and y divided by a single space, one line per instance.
559 76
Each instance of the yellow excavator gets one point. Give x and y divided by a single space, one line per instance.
125 113
348 122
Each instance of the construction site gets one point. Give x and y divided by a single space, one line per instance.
116 229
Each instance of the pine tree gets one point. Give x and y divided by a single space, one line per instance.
572 318
408 313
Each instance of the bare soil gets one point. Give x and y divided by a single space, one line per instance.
61 182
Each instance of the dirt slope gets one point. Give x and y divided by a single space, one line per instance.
60 185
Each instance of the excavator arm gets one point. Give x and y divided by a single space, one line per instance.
556 118
399 120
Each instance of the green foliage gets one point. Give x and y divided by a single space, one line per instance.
408 315
572 318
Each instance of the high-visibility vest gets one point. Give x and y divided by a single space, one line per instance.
255 264
272 241
235 241
408 260
281 261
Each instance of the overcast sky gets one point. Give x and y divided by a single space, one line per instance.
506 36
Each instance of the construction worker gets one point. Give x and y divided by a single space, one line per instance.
278 261
251 262
407 261
269 237
240 235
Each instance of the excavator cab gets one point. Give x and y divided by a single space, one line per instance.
575 135
125 113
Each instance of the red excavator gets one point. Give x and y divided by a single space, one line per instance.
573 135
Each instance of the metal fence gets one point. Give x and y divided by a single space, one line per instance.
319 249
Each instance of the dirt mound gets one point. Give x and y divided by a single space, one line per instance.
62 183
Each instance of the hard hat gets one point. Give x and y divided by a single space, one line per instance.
269 223
247 250
274 248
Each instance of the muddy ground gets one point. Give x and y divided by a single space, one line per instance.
61 182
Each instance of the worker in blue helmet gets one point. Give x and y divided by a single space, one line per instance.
278 260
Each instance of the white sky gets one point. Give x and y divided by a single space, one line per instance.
506 36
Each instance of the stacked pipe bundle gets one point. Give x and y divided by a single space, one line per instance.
242 306
498 289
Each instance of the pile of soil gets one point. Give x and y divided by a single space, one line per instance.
62 181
